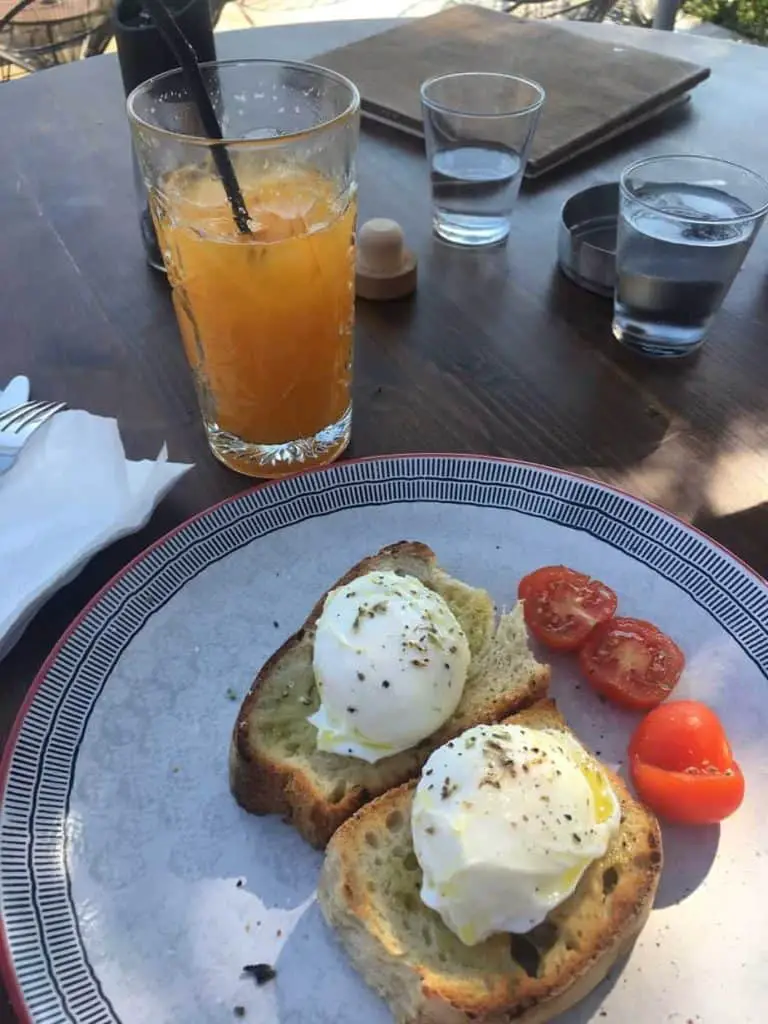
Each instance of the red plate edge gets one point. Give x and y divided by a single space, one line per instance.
7 971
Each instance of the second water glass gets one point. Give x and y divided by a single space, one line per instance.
478 129
685 225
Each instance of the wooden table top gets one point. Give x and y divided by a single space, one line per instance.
497 353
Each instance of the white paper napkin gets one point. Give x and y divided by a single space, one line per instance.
71 492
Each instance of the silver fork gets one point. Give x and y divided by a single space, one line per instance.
18 424
22 420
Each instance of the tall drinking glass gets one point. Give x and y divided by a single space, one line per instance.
266 316
478 129
685 225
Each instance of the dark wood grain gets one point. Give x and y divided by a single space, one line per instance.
496 353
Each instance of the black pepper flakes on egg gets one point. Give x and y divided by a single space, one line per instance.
490 781
449 788
261 973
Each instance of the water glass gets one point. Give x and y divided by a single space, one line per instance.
266 312
685 225
478 128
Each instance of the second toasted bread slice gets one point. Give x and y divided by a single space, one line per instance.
369 892
275 766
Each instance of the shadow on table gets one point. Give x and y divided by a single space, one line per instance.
688 426
743 531
575 305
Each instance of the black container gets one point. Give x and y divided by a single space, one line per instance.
143 53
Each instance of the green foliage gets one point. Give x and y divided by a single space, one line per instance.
748 17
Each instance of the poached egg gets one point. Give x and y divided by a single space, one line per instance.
390 661
506 819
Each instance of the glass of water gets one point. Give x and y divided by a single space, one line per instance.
478 128
685 225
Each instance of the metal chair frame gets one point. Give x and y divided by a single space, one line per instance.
91 40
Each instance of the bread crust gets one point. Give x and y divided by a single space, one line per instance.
422 995
263 785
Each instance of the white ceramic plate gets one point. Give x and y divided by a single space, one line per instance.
134 889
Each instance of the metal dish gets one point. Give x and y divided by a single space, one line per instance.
587 238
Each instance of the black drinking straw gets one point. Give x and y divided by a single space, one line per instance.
184 53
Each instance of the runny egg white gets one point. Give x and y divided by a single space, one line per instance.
506 819
390 662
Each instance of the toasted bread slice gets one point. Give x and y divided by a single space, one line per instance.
369 892
274 765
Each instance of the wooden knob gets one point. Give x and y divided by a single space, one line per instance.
385 268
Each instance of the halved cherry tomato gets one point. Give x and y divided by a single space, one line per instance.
632 662
562 607
693 797
680 735
681 763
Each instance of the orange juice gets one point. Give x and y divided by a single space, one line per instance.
266 318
